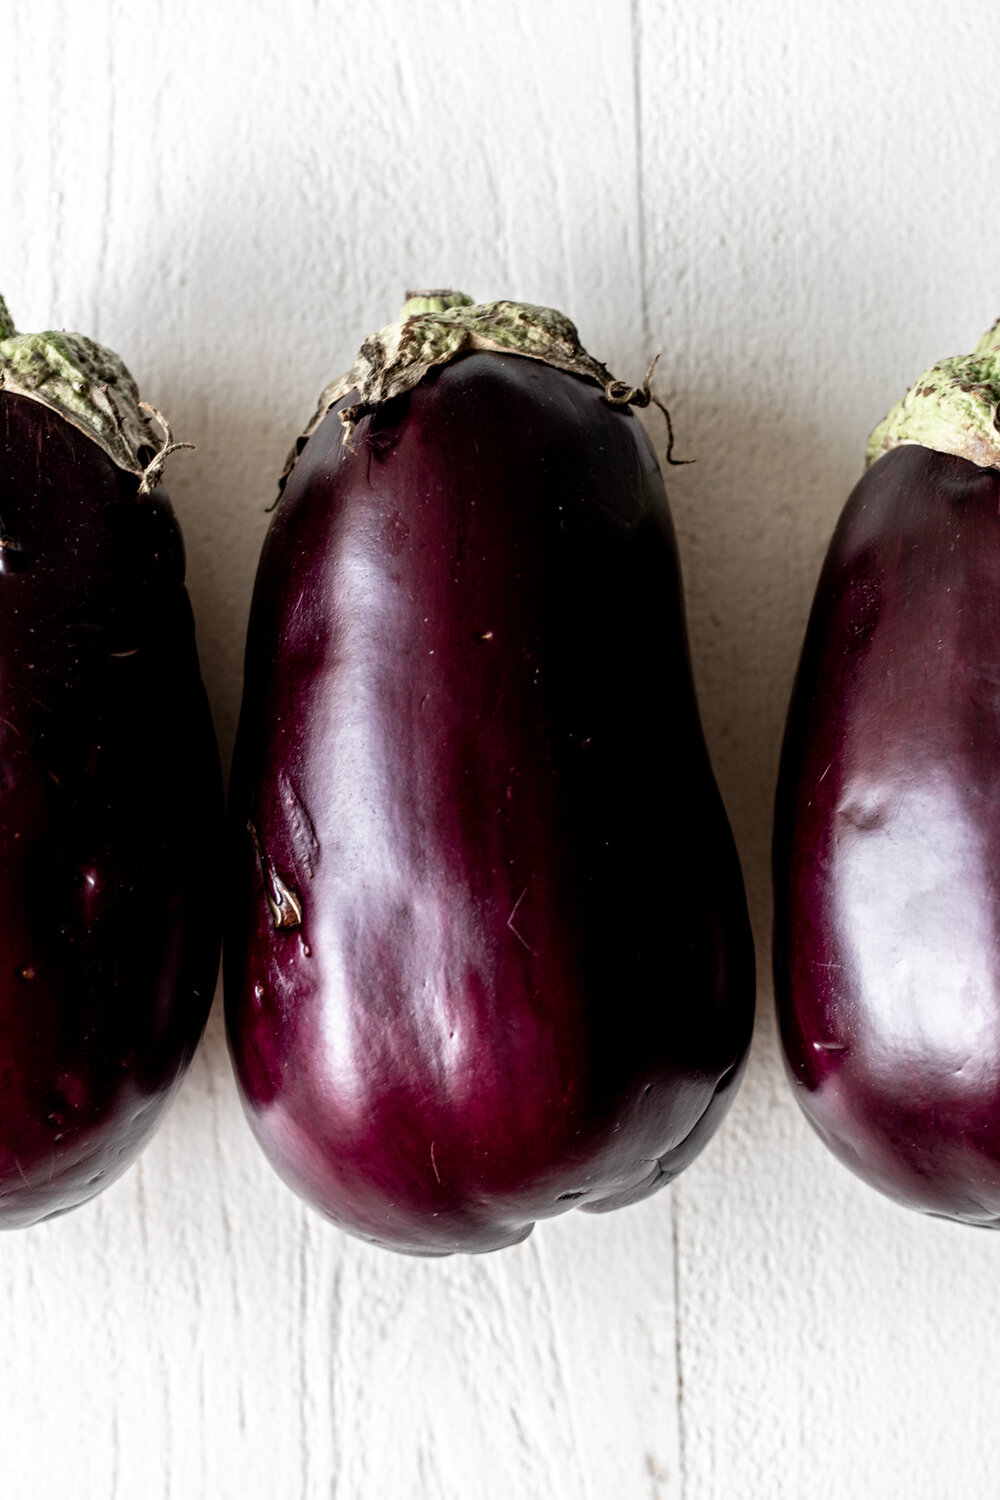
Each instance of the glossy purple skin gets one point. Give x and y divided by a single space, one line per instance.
887 850
470 753
110 813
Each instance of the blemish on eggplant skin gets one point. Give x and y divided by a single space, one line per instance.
867 816
510 922
284 904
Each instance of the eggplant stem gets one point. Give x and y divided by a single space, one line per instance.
153 472
620 393
675 463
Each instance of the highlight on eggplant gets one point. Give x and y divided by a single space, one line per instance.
488 955
887 833
110 789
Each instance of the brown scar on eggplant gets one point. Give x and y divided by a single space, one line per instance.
284 904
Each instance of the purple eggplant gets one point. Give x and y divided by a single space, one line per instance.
489 956
110 790
887 842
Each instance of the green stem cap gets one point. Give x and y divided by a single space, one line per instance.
953 408
434 328
90 387
425 302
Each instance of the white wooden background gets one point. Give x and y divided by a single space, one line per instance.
799 204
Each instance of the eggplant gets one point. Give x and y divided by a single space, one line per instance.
887 831
111 816
488 955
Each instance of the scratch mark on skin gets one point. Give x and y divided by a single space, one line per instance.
21 1170
434 1164
12 727
510 922
824 773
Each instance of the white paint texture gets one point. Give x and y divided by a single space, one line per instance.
799 206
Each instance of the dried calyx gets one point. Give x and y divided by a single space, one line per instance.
953 408
435 327
90 387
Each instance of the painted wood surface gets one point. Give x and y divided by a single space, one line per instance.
798 206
